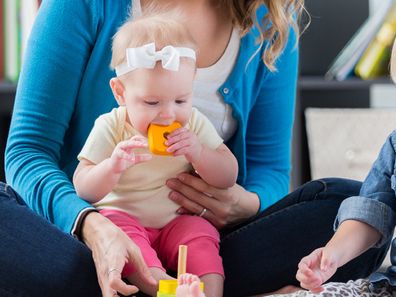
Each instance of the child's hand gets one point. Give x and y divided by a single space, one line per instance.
315 269
184 142
124 157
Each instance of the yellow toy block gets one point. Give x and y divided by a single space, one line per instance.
157 135
167 288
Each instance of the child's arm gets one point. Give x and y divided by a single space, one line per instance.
218 167
351 239
94 181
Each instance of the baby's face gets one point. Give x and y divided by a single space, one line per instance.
159 96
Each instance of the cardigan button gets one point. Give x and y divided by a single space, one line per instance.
226 91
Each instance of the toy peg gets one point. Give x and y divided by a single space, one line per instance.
182 260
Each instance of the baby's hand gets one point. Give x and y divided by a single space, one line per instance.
184 142
315 269
124 157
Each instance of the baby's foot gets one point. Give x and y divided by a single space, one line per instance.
188 286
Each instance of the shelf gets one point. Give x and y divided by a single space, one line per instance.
306 83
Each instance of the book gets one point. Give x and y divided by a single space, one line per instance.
12 40
345 62
329 31
375 59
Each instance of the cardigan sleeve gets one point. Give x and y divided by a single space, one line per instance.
57 53
269 130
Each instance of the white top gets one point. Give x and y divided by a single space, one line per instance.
141 190
207 82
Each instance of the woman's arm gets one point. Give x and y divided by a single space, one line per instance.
269 130
57 54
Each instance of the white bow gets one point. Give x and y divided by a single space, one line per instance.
146 57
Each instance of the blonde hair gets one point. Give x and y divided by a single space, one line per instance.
161 27
275 25
393 62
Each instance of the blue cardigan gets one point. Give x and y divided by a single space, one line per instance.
64 87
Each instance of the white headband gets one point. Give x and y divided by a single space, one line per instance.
145 57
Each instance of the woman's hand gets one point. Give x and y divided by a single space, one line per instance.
111 249
221 207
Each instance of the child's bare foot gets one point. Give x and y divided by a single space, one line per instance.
188 286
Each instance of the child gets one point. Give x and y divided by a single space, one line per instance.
154 59
365 221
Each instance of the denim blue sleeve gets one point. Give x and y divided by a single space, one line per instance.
269 130
376 203
56 57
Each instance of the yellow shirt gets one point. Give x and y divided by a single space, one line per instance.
141 191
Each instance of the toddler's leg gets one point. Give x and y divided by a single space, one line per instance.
188 286
203 257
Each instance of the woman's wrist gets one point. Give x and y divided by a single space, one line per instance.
76 230
248 203
90 227
252 203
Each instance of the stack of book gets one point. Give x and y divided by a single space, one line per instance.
17 17
367 54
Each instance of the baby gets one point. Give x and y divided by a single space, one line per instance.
154 59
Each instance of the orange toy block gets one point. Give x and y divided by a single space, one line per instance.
157 135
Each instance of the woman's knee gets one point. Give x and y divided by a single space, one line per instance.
8 193
347 187
328 188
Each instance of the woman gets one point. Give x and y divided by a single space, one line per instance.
249 86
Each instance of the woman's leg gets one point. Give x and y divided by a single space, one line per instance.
37 259
262 255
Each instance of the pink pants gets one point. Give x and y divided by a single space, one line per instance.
160 246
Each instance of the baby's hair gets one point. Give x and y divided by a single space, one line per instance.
158 26
393 62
